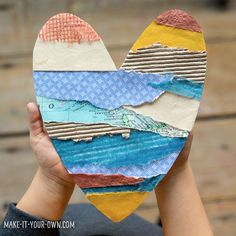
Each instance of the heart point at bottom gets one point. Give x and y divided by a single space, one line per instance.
117 206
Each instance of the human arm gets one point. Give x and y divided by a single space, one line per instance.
49 192
182 212
52 187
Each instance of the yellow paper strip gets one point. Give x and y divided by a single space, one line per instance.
119 205
170 36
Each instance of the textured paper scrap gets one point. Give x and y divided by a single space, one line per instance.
179 19
67 28
116 151
152 168
162 59
100 180
146 186
172 109
79 131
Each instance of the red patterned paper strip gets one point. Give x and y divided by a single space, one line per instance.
66 27
178 19
100 180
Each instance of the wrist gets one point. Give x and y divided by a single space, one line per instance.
47 196
175 176
53 183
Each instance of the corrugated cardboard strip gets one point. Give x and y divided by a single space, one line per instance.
161 59
78 131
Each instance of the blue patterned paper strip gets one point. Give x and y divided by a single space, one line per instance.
115 151
151 169
146 186
108 90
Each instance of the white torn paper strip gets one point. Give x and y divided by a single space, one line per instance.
60 56
171 109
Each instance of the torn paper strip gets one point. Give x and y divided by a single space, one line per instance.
115 151
152 168
162 59
171 109
101 180
58 56
108 90
84 112
181 87
67 28
117 206
147 185
178 19
170 36
79 131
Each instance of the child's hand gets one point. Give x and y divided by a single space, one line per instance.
51 188
182 212
178 169
48 159
182 161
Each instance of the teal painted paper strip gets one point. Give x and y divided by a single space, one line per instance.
181 87
115 151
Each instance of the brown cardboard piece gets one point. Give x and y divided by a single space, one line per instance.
78 131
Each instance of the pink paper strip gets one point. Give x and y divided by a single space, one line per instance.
178 19
66 27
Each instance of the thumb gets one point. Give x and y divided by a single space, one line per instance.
35 120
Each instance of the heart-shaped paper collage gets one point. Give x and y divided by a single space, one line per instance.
118 132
